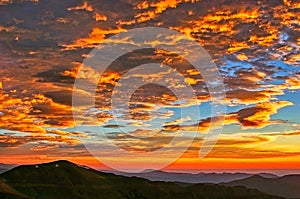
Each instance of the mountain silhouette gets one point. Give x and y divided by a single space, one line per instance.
63 179
287 186
156 175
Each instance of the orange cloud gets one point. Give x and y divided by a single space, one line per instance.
31 115
100 17
290 133
126 22
265 40
3 2
84 6
143 5
215 23
55 114
241 146
259 116
293 59
109 78
245 96
237 46
288 15
66 133
159 7
141 140
16 141
191 81
14 115
95 37
72 73
253 117
229 146
293 83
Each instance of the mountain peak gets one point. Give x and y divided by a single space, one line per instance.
58 162
68 181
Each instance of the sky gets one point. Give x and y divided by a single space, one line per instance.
46 45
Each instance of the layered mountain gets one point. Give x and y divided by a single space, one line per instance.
154 175
63 179
287 186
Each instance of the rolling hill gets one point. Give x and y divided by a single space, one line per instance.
287 186
62 179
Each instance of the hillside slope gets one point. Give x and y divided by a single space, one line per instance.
66 180
286 186
8 192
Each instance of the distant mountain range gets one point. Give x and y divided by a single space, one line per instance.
63 179
287 186
193 178
6 167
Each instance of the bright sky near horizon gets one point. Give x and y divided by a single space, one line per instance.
255 45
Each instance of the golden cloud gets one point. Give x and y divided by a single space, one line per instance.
259 116
16 141
241 146
31 115
84 6
95 38
293 83
159 7
253 117
215 23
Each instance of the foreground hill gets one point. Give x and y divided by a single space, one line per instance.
193 178
286 186
8 192
66 180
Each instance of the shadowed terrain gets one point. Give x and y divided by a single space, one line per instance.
63 179
201 177
8 192
287 186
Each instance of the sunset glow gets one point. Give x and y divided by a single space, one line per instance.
255 45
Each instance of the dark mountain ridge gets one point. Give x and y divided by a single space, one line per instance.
63 179
156 175
286 186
